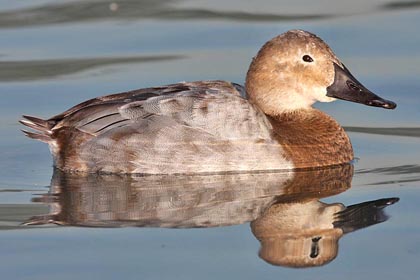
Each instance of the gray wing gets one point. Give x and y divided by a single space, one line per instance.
181 128
217 108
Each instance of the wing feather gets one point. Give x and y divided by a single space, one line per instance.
217 107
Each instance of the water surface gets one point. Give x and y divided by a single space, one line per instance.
54 54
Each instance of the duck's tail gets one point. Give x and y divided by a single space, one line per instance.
42 127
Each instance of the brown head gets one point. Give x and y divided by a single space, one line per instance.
294 70
298 234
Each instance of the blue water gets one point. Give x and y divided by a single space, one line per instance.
54 54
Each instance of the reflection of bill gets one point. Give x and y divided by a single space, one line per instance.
306 233
283 207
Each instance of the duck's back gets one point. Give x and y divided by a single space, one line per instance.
180 128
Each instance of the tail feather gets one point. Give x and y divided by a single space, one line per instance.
37 136
42 127
39 123
35 126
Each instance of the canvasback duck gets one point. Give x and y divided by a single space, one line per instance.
216 126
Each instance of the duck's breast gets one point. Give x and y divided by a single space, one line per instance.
312 139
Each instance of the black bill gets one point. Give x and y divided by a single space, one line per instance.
363 214
347 87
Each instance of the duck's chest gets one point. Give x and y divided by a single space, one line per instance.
312 141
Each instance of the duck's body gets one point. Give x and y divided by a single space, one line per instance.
207 127
187 128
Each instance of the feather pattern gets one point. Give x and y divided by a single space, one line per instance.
179 128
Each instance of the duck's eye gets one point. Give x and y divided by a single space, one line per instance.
307 58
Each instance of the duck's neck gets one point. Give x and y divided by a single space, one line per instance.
274 102
311 138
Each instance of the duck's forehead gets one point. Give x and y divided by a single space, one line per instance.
314 45
304 38
301 42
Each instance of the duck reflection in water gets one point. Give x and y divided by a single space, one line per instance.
306 233
295 229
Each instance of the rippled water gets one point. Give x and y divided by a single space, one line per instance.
54 54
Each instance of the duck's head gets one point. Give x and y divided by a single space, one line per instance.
294 70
